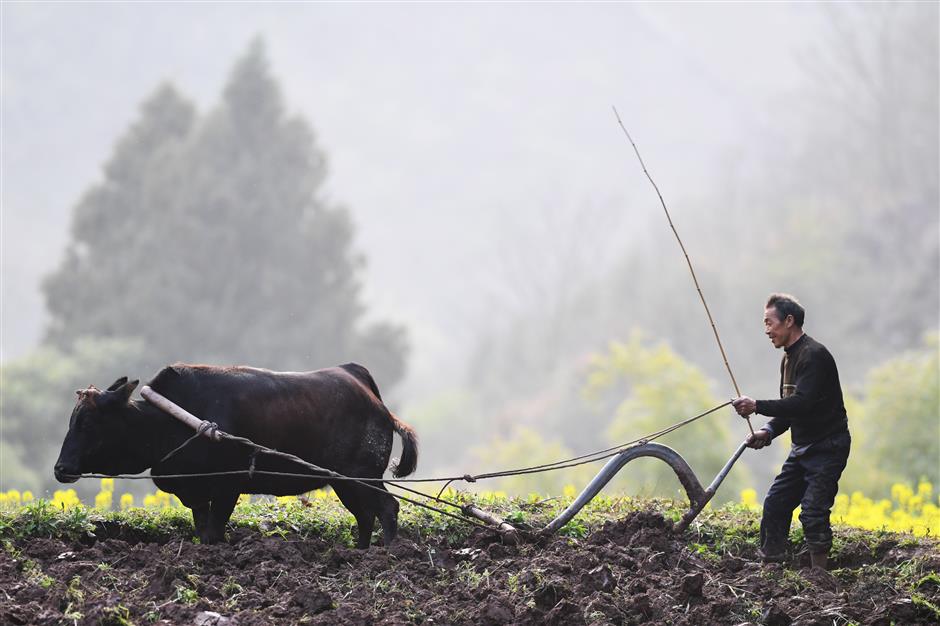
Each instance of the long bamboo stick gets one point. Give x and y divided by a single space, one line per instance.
687 260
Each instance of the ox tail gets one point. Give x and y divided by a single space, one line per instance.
409 455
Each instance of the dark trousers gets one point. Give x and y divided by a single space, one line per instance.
811 480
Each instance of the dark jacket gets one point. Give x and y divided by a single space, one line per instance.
810 395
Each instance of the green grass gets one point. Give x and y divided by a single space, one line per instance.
319 517
732 530
118 615
41 519
718 534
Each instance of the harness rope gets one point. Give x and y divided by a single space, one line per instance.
366 482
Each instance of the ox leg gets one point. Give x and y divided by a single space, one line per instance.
388 516
219 513
200 509
359 504
200 518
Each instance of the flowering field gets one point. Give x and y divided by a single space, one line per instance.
908 510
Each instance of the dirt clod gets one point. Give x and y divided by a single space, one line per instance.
497 610
691 585
565 613
599 579
773 615
551 594
311 602
211 618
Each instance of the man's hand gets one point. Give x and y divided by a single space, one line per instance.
758 440
744 405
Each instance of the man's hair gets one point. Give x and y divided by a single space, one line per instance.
787 305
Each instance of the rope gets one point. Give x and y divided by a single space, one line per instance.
203 427
590 457
546 467
600 454
583 459
366 482
256 448
298 475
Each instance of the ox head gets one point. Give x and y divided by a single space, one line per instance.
98 432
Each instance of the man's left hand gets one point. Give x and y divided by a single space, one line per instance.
744 405
759 439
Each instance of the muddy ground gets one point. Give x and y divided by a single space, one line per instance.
634 571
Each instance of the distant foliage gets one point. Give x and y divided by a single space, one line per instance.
652 387
526 447
209 238
836 203
898 429
38 396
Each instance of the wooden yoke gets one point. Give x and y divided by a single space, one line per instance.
179 413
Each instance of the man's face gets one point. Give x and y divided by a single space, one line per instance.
778 330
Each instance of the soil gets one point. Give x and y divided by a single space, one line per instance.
633 571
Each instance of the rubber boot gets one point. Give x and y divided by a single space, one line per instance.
772 555
819 560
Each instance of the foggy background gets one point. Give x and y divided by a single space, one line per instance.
508 234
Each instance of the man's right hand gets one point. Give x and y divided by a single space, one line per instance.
744 405
759 439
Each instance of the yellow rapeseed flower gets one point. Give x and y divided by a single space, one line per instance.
925 490
907 511
163 499
65 499
749 498
103 500
13 498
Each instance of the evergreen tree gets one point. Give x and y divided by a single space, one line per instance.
209 240
84 295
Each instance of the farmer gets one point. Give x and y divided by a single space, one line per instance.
811 406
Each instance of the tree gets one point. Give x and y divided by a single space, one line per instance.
649 388
209 239
88 293
896 435
871 159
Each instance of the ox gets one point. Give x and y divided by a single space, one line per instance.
333 418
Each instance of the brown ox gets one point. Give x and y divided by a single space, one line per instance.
333 418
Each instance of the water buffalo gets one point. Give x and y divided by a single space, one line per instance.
334 418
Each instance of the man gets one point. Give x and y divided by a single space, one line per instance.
811 406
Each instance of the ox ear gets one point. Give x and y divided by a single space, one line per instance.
118 383
127 389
